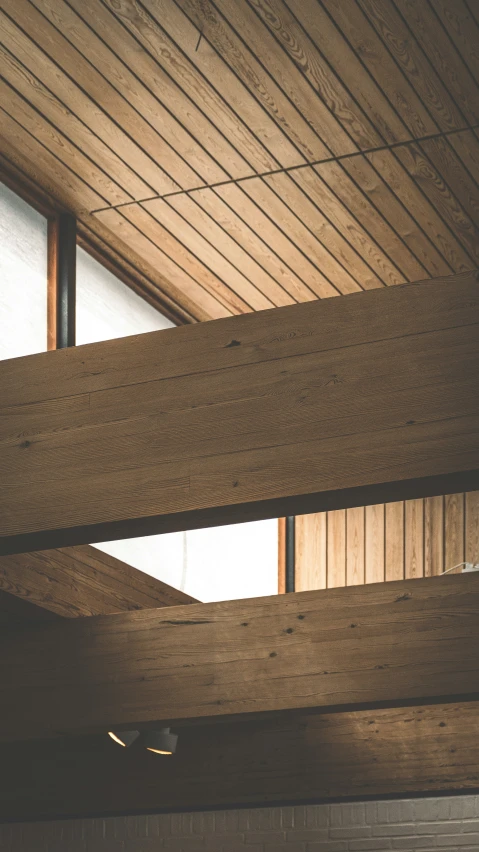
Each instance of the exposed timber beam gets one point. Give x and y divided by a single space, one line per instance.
346 648
388 753
79 581
20 612
333 403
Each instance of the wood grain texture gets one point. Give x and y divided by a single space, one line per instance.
414 549
336 548
388 753
355 546
132 427
338 648
197 107
454 530
374 544
311 552
394 541
414 543
472 528
83 581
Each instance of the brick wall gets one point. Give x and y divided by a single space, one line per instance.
448 824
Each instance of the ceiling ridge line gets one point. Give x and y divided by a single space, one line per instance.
287 169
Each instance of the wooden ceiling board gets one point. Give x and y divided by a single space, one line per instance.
248 152
245 154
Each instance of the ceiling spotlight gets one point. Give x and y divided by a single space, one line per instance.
125 738
160 742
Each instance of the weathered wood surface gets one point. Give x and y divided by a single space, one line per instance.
82 580
362 646
336 403
390 752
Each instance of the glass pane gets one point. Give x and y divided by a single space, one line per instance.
23 277
222 563
107 308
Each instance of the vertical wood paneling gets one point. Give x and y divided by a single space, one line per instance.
407 539
433 536
414 539
454 530
282 554
310 546
374 572
394 541
336 548
355 529
472 527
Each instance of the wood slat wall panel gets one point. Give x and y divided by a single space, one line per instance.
311 551
304 118
355 544
203 304
335 50
454 530
226 215
403 540
463 27
204 249
379 61
170 102
225 101
103 108
102 39
423 22
472 527
374 537
414 539
32 158
434 535
336 549
400 41
60 147
394 541
270 292
298 45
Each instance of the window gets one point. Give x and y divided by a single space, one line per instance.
23 277
107 308
221 563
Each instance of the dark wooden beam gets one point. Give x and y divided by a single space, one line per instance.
339 402
346 648
389 753
82 580
19 611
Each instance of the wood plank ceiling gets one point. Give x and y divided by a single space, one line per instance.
244 154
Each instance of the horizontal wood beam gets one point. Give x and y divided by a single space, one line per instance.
346 648
338 402
18 611
80 581
389 753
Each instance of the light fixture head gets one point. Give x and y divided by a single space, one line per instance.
161 741
124 738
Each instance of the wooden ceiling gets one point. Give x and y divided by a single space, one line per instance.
243 154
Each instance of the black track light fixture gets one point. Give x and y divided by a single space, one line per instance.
124 738
161 741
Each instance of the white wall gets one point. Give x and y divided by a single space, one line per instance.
23 277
